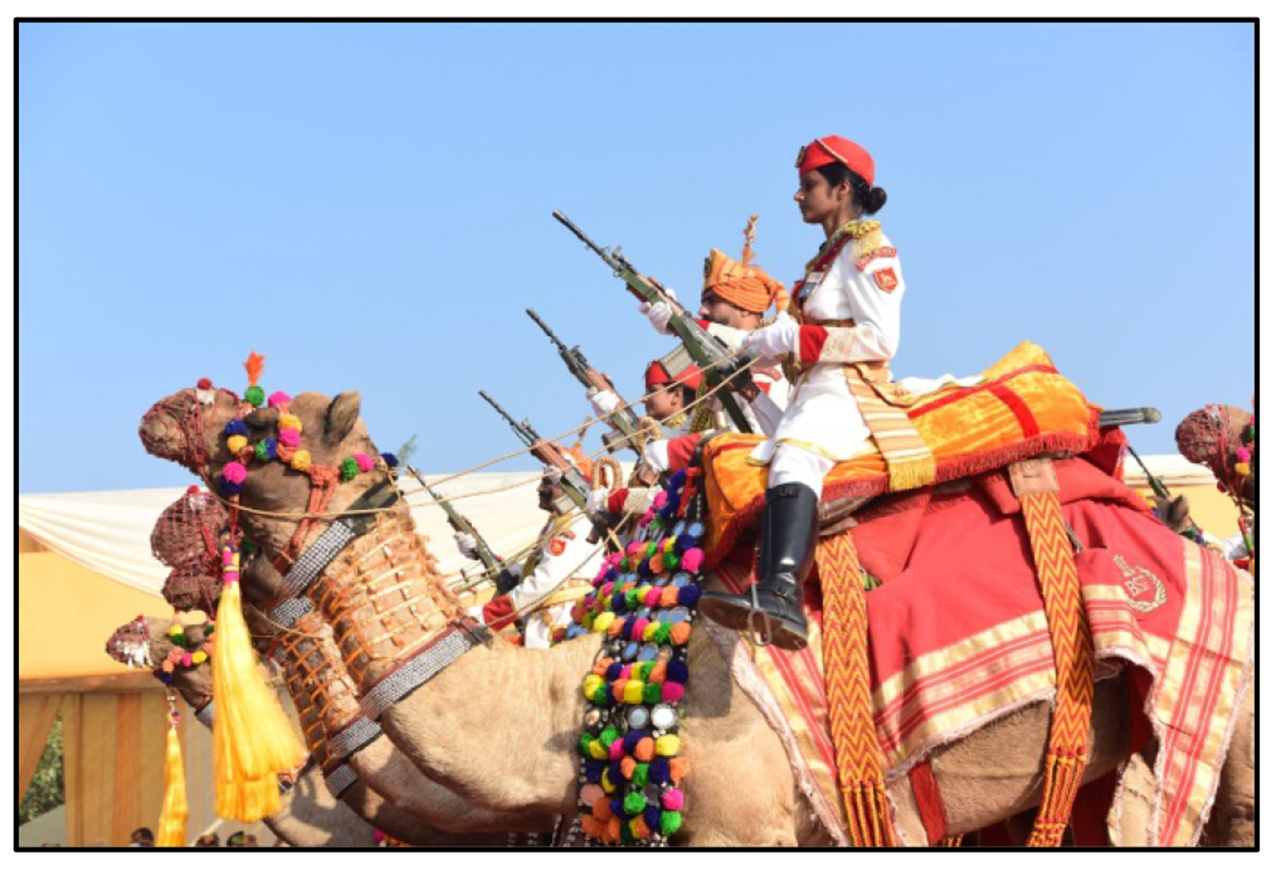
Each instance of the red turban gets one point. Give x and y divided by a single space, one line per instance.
657 374
835 149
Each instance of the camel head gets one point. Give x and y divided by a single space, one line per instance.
184 427
1218 436
145 643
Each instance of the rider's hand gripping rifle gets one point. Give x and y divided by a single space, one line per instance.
710 354
494 566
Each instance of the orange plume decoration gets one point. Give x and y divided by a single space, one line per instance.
254 365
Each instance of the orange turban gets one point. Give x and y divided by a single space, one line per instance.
746 287
835 149
579 459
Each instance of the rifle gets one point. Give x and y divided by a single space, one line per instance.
710 354
575 487
492 562
1159 489
1129 417
622 420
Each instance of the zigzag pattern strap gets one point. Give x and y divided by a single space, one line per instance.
859 757
418 670
353 737
339 780
1073 645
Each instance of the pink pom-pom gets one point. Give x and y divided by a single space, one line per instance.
634 548
672 799
204 384
290 437
607 588
602 572
661 499
186 660
1243 454
671 692
234 472
645 519
639 625
278 398
364 461
653 597
693 559
617 749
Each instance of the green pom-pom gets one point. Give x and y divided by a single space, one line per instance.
602 695
254 396
662 633
624 565
640 774
608 737
631 598
178 639
652 548
670 822
262 452
349 468
248 547
635 803
672 560
644 671
583 745
651 693
626 835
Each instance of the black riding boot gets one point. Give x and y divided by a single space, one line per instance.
787 553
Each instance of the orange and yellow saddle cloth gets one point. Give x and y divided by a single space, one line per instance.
957 634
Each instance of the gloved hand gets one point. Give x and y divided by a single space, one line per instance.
596 501
603 402
466 544
775 341
660 313
655 455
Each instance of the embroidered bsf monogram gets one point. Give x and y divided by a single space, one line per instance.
886 279
1145 590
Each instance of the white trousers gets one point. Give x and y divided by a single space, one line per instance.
792 464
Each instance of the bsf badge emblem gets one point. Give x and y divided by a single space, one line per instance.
1144 589
557 546
886 279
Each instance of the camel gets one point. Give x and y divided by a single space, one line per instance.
310 816
445 724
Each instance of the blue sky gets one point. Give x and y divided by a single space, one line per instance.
369 206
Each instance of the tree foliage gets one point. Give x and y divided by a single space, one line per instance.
45 792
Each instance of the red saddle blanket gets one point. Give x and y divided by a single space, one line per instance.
957 634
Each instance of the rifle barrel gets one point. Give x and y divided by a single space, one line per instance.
1129 417
562 348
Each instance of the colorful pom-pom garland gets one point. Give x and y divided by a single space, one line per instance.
284 446
184 653
644 601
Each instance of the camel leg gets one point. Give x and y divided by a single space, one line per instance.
1232 822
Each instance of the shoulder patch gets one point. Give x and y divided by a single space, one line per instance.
886 279
862 262
557 546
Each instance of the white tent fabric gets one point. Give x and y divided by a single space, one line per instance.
109 532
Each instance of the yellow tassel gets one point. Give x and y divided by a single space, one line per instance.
172 823
912 473
252 738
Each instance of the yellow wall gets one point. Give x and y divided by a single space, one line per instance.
1212 510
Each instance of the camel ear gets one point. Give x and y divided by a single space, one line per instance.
1178 513
342 414
262 418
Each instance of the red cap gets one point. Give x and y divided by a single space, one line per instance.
835 149
657 374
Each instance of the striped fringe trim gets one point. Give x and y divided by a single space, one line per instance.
910 463
845 648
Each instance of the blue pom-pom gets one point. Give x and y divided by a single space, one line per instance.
677 479
390 460
689 595
628 630
271 447
236 427
618 806
613 672
631 741
659 770
230 488
644 569
618 603
651 817
594 769
676 671
614 774
684 543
